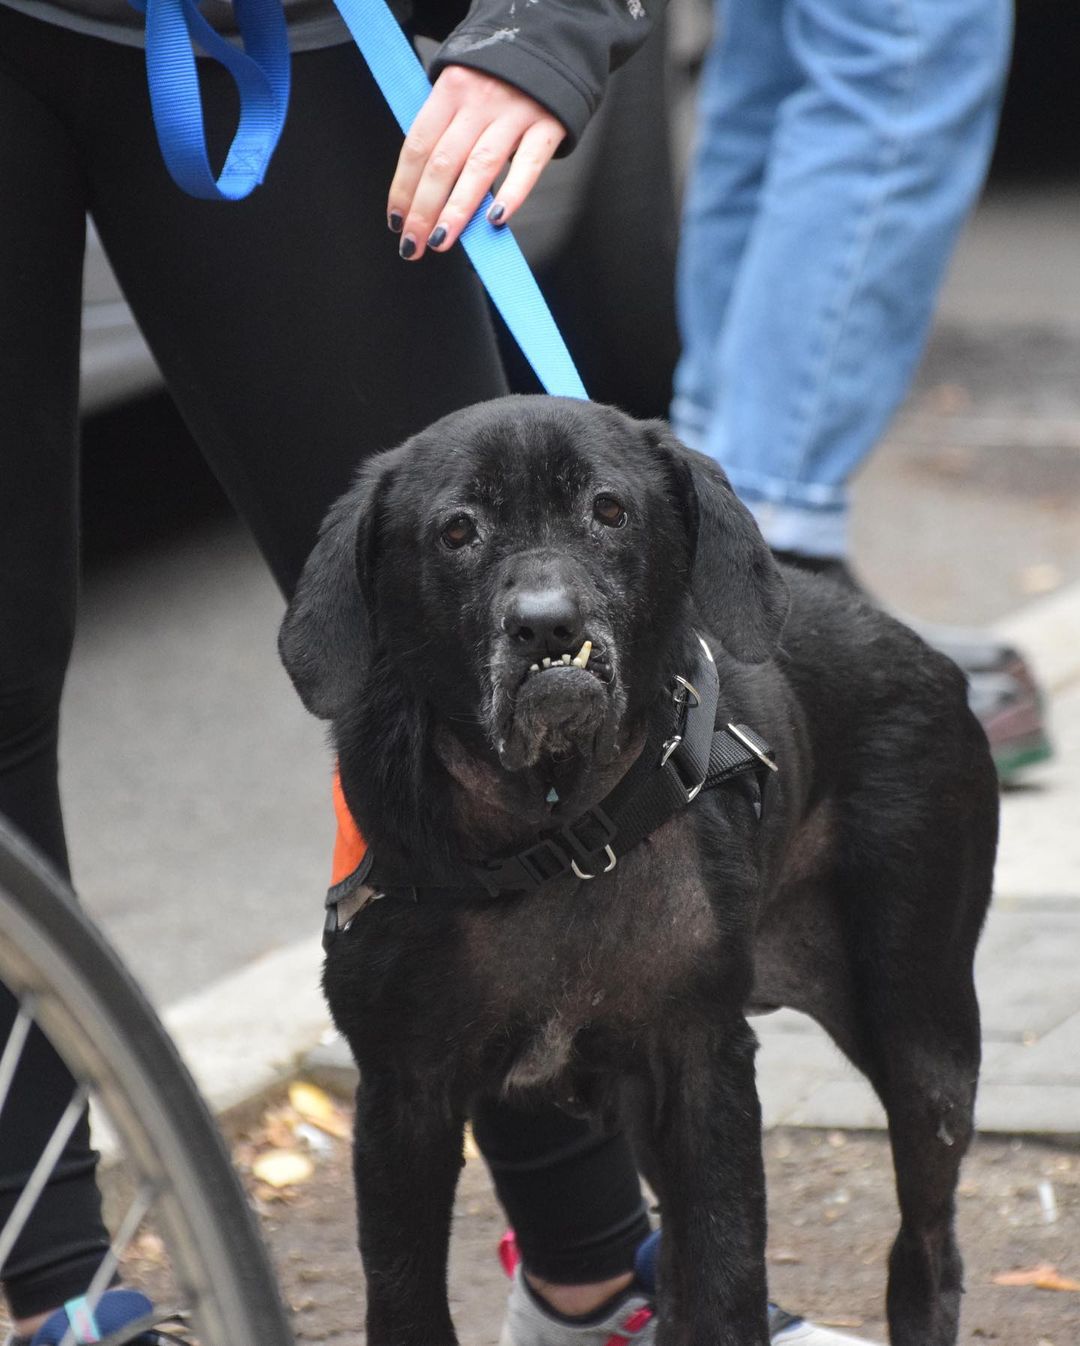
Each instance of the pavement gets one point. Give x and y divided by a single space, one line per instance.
196 787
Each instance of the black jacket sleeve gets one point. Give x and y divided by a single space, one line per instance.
559 52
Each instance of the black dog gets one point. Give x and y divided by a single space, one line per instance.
501 621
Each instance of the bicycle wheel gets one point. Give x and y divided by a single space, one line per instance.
69 981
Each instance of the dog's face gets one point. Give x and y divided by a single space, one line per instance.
521 566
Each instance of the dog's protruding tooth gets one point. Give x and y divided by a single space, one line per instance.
547 663
534 668
581 659
566 659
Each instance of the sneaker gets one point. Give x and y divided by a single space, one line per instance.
788 1329
632 1318
115 1311
528 1322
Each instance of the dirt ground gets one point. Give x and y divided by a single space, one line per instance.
832 1218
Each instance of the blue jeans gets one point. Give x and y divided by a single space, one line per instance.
841 144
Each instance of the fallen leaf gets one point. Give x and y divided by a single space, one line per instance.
1043 1277
282 1168
148 1247
317 1107
838 1322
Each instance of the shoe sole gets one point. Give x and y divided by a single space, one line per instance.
1010 759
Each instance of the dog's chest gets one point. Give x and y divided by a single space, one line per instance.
609 954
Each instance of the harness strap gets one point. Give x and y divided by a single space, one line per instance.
684 754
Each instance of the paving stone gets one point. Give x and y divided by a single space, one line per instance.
1023 1108
1039 850
845 1103
1051 1059
1026 970
792 1064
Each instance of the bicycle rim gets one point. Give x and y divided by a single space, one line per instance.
71 983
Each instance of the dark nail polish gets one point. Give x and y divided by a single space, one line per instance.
408 246
395 220
496 213
438 236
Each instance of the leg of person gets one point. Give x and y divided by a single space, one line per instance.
875 161
749 70
42 224
572 1194
292 336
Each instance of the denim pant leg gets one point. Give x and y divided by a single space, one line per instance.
875 160
748 72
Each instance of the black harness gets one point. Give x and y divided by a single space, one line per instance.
684 754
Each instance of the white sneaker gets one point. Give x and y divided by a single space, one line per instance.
632 1321
529 1323
787 1329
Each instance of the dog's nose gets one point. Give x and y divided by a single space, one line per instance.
545 621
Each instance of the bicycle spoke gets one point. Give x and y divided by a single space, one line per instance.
40 1176
13 1048
141 1203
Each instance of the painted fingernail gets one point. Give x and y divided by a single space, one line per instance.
438 236
408 246
497 213
395 220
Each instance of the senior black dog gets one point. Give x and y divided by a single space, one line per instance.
562 672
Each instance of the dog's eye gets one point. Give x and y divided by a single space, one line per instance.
458 532
609 511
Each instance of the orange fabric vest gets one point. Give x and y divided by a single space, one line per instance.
349 846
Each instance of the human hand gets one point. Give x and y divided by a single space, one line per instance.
458 145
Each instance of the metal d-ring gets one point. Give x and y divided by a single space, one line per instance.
613 861
669 747
682 698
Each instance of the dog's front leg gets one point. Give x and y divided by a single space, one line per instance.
706 1147
407 1156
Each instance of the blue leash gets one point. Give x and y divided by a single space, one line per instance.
261 73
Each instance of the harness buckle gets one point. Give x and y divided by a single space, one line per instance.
670 762
594 831
613 860
546 860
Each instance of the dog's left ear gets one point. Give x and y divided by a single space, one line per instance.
737 586
326 638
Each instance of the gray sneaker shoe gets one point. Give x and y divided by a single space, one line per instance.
632 1320
527 1323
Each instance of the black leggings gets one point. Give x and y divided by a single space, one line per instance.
295 342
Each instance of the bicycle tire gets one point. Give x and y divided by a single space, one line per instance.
110 1038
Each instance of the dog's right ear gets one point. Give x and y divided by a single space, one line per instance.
326 638
737 586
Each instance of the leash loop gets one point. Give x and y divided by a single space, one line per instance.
260 71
